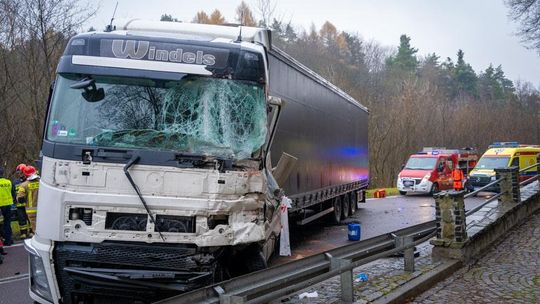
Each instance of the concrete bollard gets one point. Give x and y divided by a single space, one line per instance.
509 186
450 219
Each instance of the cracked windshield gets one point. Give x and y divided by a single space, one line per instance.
202 115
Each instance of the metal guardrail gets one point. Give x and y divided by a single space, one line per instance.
498 181
280 281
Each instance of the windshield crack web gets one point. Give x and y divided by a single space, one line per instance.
207 116
219 117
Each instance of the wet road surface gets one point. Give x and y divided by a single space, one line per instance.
14 276
377 216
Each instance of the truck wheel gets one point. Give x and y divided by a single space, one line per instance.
336 218
255 261
403 192
346 210
354 203
434 189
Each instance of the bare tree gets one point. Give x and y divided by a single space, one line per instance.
527 13
33 34
244 15
265 9
201 17
216 17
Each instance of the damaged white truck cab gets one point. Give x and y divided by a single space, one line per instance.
157 176
153 178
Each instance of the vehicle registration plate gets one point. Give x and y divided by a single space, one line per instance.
408 183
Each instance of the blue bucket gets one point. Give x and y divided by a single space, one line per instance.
354 232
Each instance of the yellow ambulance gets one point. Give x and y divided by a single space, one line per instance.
503 155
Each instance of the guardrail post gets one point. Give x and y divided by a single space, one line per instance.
231 299
346 278
450 219
509 186
408 253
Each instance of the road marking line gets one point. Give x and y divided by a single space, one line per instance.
14 278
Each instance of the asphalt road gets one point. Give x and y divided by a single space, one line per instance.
377 216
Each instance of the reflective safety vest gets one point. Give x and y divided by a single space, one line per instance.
28 190
457 176
5 192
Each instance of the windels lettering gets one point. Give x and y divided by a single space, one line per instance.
132 49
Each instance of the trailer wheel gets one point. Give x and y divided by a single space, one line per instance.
256 261
346 210
337 210
354 203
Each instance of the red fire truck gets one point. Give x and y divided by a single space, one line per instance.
430 170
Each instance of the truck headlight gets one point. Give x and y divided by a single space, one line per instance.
493 178
38 277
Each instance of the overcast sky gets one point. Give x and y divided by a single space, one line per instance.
480 28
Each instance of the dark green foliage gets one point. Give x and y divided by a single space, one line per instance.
405 59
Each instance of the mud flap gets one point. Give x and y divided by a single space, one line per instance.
360 196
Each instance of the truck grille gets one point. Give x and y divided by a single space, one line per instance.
78 289
480 180
138 222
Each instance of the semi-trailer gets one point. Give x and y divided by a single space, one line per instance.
167 151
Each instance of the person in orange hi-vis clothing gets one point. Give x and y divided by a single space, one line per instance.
457 176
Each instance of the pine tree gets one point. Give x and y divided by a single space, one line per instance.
290 35
405 59
464 77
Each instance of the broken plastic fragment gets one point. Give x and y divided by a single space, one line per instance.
308 295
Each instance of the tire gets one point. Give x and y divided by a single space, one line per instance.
434 189
336 215
403 192
354 203
255 261
346 206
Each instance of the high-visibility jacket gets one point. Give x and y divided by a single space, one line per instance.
27 193
457 176
6 198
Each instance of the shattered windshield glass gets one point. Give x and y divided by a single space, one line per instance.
200 115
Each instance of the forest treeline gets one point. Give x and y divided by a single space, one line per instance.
414 100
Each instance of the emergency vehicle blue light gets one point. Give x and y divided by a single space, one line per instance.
434 152
504 144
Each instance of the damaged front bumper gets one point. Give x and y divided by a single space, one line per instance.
131 272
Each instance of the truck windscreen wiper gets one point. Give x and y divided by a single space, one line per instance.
134 159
